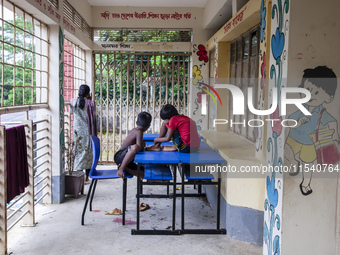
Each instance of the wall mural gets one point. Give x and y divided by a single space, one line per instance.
61 99
314 142
275 148
197 80
261 94
261 97
216 61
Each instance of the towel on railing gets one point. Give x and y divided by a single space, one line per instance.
16 161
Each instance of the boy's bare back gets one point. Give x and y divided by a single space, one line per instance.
132 138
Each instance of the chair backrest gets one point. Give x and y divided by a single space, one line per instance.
96 152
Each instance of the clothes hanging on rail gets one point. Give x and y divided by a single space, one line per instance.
16 162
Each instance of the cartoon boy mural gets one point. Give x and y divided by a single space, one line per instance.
300 144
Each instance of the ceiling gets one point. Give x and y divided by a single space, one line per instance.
149 3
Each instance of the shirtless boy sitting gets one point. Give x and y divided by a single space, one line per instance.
132 144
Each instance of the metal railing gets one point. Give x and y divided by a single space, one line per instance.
40 176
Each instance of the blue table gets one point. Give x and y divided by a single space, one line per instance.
156 157
149 143
204 156
152 136
149 136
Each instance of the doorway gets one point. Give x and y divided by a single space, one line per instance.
127 83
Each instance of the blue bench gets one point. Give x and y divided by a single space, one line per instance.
157 172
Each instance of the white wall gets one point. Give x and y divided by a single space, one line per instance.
309 222
122 21
84 9
213 8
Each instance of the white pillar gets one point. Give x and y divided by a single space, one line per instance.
56 110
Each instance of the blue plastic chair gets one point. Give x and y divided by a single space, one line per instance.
96 175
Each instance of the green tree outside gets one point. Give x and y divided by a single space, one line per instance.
24 91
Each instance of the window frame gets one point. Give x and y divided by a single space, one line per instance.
240 64
33 74
75 63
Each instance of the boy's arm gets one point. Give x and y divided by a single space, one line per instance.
164 129
139 141
166 138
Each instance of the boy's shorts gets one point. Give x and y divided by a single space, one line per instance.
119 157
182 147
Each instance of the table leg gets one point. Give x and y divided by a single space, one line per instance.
218 200
124 199
138 190
182 214
174 201
138 231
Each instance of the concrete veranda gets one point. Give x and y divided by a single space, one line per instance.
60 231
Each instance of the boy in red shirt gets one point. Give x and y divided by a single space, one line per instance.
179 128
